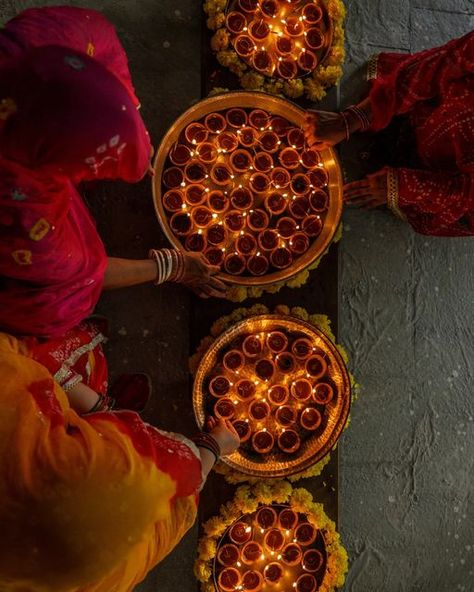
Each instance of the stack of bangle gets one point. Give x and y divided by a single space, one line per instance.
104 403
346 124
169 265
360 115
204 440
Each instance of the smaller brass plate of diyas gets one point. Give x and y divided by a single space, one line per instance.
289 397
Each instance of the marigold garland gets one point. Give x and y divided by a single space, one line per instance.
322 322
313 87
246 501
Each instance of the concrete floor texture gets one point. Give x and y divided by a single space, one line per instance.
406 315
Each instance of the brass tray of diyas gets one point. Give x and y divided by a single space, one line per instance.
236 181
287 39
274 548
283 385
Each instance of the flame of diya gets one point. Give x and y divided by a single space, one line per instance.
240 533
274 36
244 182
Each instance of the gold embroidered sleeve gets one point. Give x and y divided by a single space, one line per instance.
392 193
372 67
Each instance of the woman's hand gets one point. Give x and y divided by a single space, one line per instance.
324 128
369 193
201 277
225 435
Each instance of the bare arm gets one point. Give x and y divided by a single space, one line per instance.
121 273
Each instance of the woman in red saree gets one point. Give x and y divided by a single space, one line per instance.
435 89
88 503
67 117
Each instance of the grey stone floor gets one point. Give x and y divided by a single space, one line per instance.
406 316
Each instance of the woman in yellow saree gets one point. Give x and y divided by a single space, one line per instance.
87 503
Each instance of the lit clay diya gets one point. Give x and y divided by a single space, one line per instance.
287 68
300 184
214 256
234 264
246 244
233 360
243 429
288 519
307 60
269 141
268 240
299 243
289 158
275 203
296 138
291 554
195 172
258 220
181 223
284 46
273 573
316 366
299 207
277 341
259 410
262 441
281 258
318 177
278 394
259 30
207 152
219 386
258 264
274 539
323 393
312 225
306 583
314 38
252 346
301 389
249 6
173 178
310 419
236 117
229 579
318 200
294 26
240 533
224 408
259 183
312 560
286 416
180 154
195 242
264 369
217 201
195 133
173 200
289 441
244 46
263 162
259 119
269 8
251 552
227 141
195 194
263 62
245 389
280 178
252 581
216 235
201 216
286 227
221 174
247 136
235 22
312 13
241 198
241 161
305 534
215 122
310 158
285 362
234 220
228 555
280 125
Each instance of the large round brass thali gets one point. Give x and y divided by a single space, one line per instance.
276 107
314 445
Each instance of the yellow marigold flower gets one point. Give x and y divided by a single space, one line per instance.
330 75
314 90
282 491
336 56
202 571
282 309
343 353
207 587
207 549
220 40
230 512
254 292
217 90
214 526
237 294
299 280
300 499
258 309
336 9
300 313
252 81
263 492
216 21
293 88
274 86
